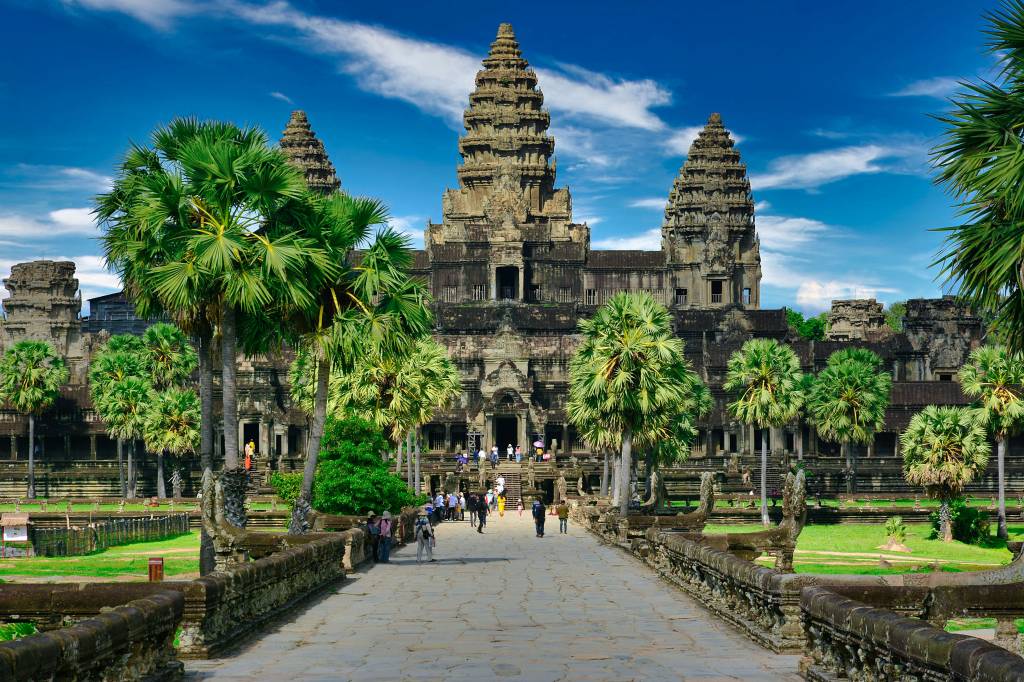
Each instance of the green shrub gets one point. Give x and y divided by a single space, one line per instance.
895 530
286 485
351 477
970 524
12 631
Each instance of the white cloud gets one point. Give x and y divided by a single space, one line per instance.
816 296
590 220
58 178
156 13
625 103
647 241
940 87
411 226
281 96
781 233
762 206
678 143
59 223
580 144
654 203
807 171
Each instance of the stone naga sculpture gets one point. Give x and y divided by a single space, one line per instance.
658 494
227 539
780 541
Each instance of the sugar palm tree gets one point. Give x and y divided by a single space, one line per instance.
123 406
193 224
628 371
847 402
944 449
171 426
764 377
172 359
978 161
994 377
122 356
31 374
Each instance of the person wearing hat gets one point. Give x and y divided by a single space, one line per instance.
424 534
385 537
373 530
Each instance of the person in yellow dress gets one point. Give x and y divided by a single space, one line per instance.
501 505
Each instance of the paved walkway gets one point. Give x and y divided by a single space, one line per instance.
503 605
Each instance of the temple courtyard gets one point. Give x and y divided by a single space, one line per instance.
506 605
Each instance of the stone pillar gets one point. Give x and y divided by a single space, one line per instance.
241 437
488 434
521 431
284 443
566 446
67 446
726 441
447 437
14 448
264 442
522 284
92 446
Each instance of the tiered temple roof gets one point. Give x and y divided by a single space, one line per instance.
711 181
302 147
505 121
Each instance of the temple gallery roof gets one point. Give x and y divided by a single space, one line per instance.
626 259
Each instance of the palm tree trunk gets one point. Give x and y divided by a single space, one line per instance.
31 456
649 466
408 458
624 466
206 402
120 467
303 505
1001 531
207 558
945 521
604 476
229 384
161 489
851 468
398 458
764 478
417 488
615 481
799 443
131 470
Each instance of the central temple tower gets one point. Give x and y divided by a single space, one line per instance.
507 233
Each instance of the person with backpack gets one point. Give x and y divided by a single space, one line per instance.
563 517
538 516
424 534
481 514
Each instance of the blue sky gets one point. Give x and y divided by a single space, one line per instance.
831 106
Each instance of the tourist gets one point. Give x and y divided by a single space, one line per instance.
481 456
538 516
373 530
250 450
494 456
519 507
472 503
424 534
563 517
519 454
501 505
453 502
481 514
462 507
501 483
439 506
509 451
386 530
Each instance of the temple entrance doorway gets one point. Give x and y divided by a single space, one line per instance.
506 430
250 432
508 283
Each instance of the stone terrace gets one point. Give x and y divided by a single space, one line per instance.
504 604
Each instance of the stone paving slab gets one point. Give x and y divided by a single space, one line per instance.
504 605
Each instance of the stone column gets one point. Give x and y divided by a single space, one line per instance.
566 446
241 437
447 437
726 441
264 442
488 434
14 448
67 446
521 431
92 446
284 443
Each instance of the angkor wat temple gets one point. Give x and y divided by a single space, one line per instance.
512 274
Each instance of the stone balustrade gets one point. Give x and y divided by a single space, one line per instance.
130 642
851 640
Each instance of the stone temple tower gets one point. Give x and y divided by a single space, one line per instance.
300 144
708 235
507 234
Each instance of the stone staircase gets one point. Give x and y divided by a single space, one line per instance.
513 475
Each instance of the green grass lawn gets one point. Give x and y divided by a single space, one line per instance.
125 562
811 500
853 548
